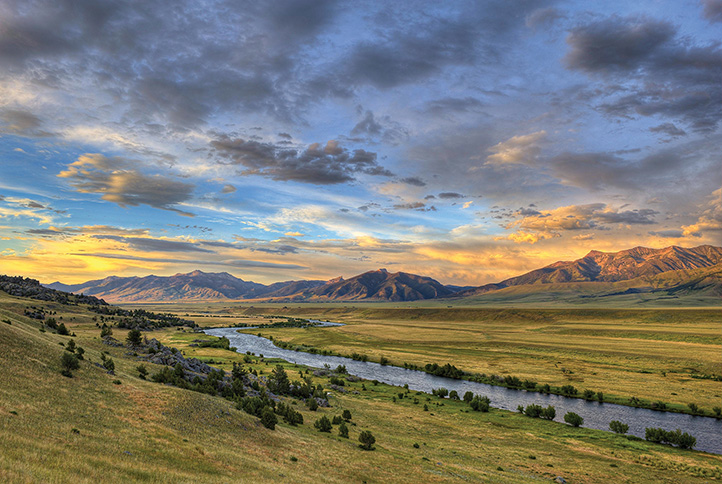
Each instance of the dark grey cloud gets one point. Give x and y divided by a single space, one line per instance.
23 123
632 217
281 249
383 129
413 180
320 165
120 182
670 234
712 10
669 129
444 106
616 44
450 195
154 245
662 73
418 206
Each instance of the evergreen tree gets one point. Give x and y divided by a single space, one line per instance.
367 440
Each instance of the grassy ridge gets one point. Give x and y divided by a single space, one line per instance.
147 432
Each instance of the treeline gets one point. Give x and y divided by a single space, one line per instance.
139 318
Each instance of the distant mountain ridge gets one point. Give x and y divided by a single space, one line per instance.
639 270
624 265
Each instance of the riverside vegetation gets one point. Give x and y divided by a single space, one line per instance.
112 421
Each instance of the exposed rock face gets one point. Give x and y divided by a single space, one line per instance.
165 356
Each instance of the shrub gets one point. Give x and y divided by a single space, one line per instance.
600 396
573 419
589 394
323 424
367 440
106 331
569 390
533 410
480 404
440 392
717 411
618 427
142 371
69 362
346 414
468 396
343 430
336 420
454 395
70 346
62 330
681 439
693 407
549 413
312 404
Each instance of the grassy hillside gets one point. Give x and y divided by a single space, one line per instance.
97 427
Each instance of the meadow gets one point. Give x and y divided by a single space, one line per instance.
98 427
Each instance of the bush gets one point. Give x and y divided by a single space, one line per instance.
336 420
618 427
367 440
454 395
343 430
440 392
573 419
106 331
480 404
312 404
62 330
323 424
693 407
549 413
346 414
468 396
69 362
569 390
142 371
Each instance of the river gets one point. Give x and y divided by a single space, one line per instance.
707 430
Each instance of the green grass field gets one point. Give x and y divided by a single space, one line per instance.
89 429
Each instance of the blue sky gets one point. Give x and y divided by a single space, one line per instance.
467 141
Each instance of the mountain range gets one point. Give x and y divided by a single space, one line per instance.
668 272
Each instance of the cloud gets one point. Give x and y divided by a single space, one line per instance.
453 105
120 183
549 223
522 149
228 189
669 129
450 195
413 180
668 234
712 10
23 123
383 129
154 245
663 74
320 165
199 262
711 218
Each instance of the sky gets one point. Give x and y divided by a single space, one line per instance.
468 141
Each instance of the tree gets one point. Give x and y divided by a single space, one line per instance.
71 346
134 338
346 415
468 396
367 440
618 427
268 418
62 330
323 424
278 381
312 404
106 331
109 365
69 362
343 430
549 413
573 419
